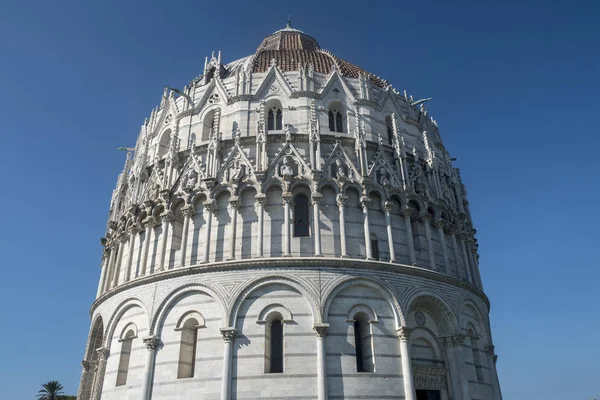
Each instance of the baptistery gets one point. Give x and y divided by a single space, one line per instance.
289 226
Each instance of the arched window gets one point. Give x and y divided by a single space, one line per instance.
187 348
301 219
163 144
336 121
126 344
362 343
374 247
274 344
275 119
389 129
475 350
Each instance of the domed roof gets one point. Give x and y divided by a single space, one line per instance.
291 48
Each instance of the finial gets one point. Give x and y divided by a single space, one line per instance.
289 22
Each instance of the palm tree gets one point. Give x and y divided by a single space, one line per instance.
51 391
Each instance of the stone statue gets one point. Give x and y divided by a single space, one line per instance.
238 172
155 191
288 133
191 179
340 170
383 177
286 170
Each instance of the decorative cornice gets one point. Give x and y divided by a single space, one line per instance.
308 263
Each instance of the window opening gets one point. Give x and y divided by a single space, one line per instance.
301 216
336 121
187 349
274 345
374 247
124 357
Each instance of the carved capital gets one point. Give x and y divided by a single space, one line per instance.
387 206
112 225
261 198
407 212
102 354
490 350
134 228
150 222
439 223
85 364
188 210
341 200
404 333
321 329
228 334
167 216
151 342
287 197
103 241
425 218
234 202
316 198
209 205
453 341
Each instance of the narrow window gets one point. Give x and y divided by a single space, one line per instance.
274 345
374 247
279 120
124 358
331 121
187 349
390 130
271 120
362 343
475 351
301 220
339 125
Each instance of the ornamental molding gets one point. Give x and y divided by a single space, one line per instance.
429 377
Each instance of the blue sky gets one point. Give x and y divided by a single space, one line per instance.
515 90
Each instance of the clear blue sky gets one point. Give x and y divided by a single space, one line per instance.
515 90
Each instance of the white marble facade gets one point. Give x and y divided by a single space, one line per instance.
289 188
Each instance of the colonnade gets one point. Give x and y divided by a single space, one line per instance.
462 244
457 381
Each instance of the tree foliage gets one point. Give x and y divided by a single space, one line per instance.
50 391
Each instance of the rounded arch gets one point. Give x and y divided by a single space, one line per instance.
275 100
242 295
124 306
478 316
264 314
440 311
200 196
336 114
329 183
379 193
220 188
195 315
362 308
275 116
174 296
176 203
427 335
382 288
301 186
125 332
95 337
352 186
208 118
162 143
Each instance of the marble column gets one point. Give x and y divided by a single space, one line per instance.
321 331
166 219
208 206
364 202
492 360
119 260
439 225
188 211
316 201
287 198
407 374
100 370
454 350
103 274
341 202
234 203
261 199
111 265
133 232
83 381
425 219
149 223
409 235
151 344
229 335
387 208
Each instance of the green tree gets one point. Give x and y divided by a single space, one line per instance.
51 391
